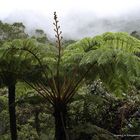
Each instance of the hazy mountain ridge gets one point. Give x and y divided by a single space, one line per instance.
78 26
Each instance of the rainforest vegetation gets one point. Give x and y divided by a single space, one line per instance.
86 89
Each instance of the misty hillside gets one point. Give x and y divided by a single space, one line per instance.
78 26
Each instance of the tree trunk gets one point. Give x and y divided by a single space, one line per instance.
37 122
60 112
12 111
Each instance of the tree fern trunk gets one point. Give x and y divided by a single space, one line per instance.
60 121
12 111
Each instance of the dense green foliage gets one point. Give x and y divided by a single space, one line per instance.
102 72
90 107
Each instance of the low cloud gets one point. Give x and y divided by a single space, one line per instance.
77 18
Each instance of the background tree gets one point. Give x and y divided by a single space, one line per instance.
10 65
135 34
40 36
8 68
11 69
8 32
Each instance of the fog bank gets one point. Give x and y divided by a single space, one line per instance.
78 19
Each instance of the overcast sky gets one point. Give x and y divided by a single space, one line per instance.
71 13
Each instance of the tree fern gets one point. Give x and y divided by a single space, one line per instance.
57 72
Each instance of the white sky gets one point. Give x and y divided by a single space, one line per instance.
99 7
65 8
